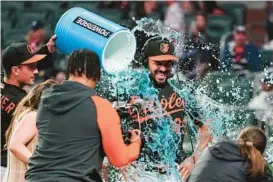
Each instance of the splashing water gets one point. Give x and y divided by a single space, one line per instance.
152 27
133 82
223 119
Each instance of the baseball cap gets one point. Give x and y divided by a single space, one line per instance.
37 24
240 28
159 49
18 54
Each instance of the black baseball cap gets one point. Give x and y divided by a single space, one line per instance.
37 24
159 49
19 54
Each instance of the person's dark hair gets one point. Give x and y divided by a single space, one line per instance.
201 13
252 141
84 62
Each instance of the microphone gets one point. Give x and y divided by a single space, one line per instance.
123 110
119 104
137 104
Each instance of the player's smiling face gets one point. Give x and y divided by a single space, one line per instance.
160 70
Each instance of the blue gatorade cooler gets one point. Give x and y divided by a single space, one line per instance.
79 28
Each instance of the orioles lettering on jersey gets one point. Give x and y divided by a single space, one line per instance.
6 104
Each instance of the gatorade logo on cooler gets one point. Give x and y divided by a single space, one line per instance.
93 27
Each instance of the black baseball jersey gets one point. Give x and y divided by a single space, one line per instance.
10 96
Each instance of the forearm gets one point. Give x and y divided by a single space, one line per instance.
127 156
20 151
118 153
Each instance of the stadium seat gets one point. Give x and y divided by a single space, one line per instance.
47 5
16 34
14 38
218 26
12 5
10 11
47 16
3 36
5 25
5 13
236 11
3 32
9 16
17 31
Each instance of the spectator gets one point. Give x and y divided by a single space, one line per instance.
263 103
125 10
234 161
199 27
174 17
37 35
188 7
200 56
240 54
20 66
60 77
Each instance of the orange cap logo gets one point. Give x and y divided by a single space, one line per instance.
30 50
164 48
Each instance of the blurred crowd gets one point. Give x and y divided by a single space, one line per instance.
218 36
